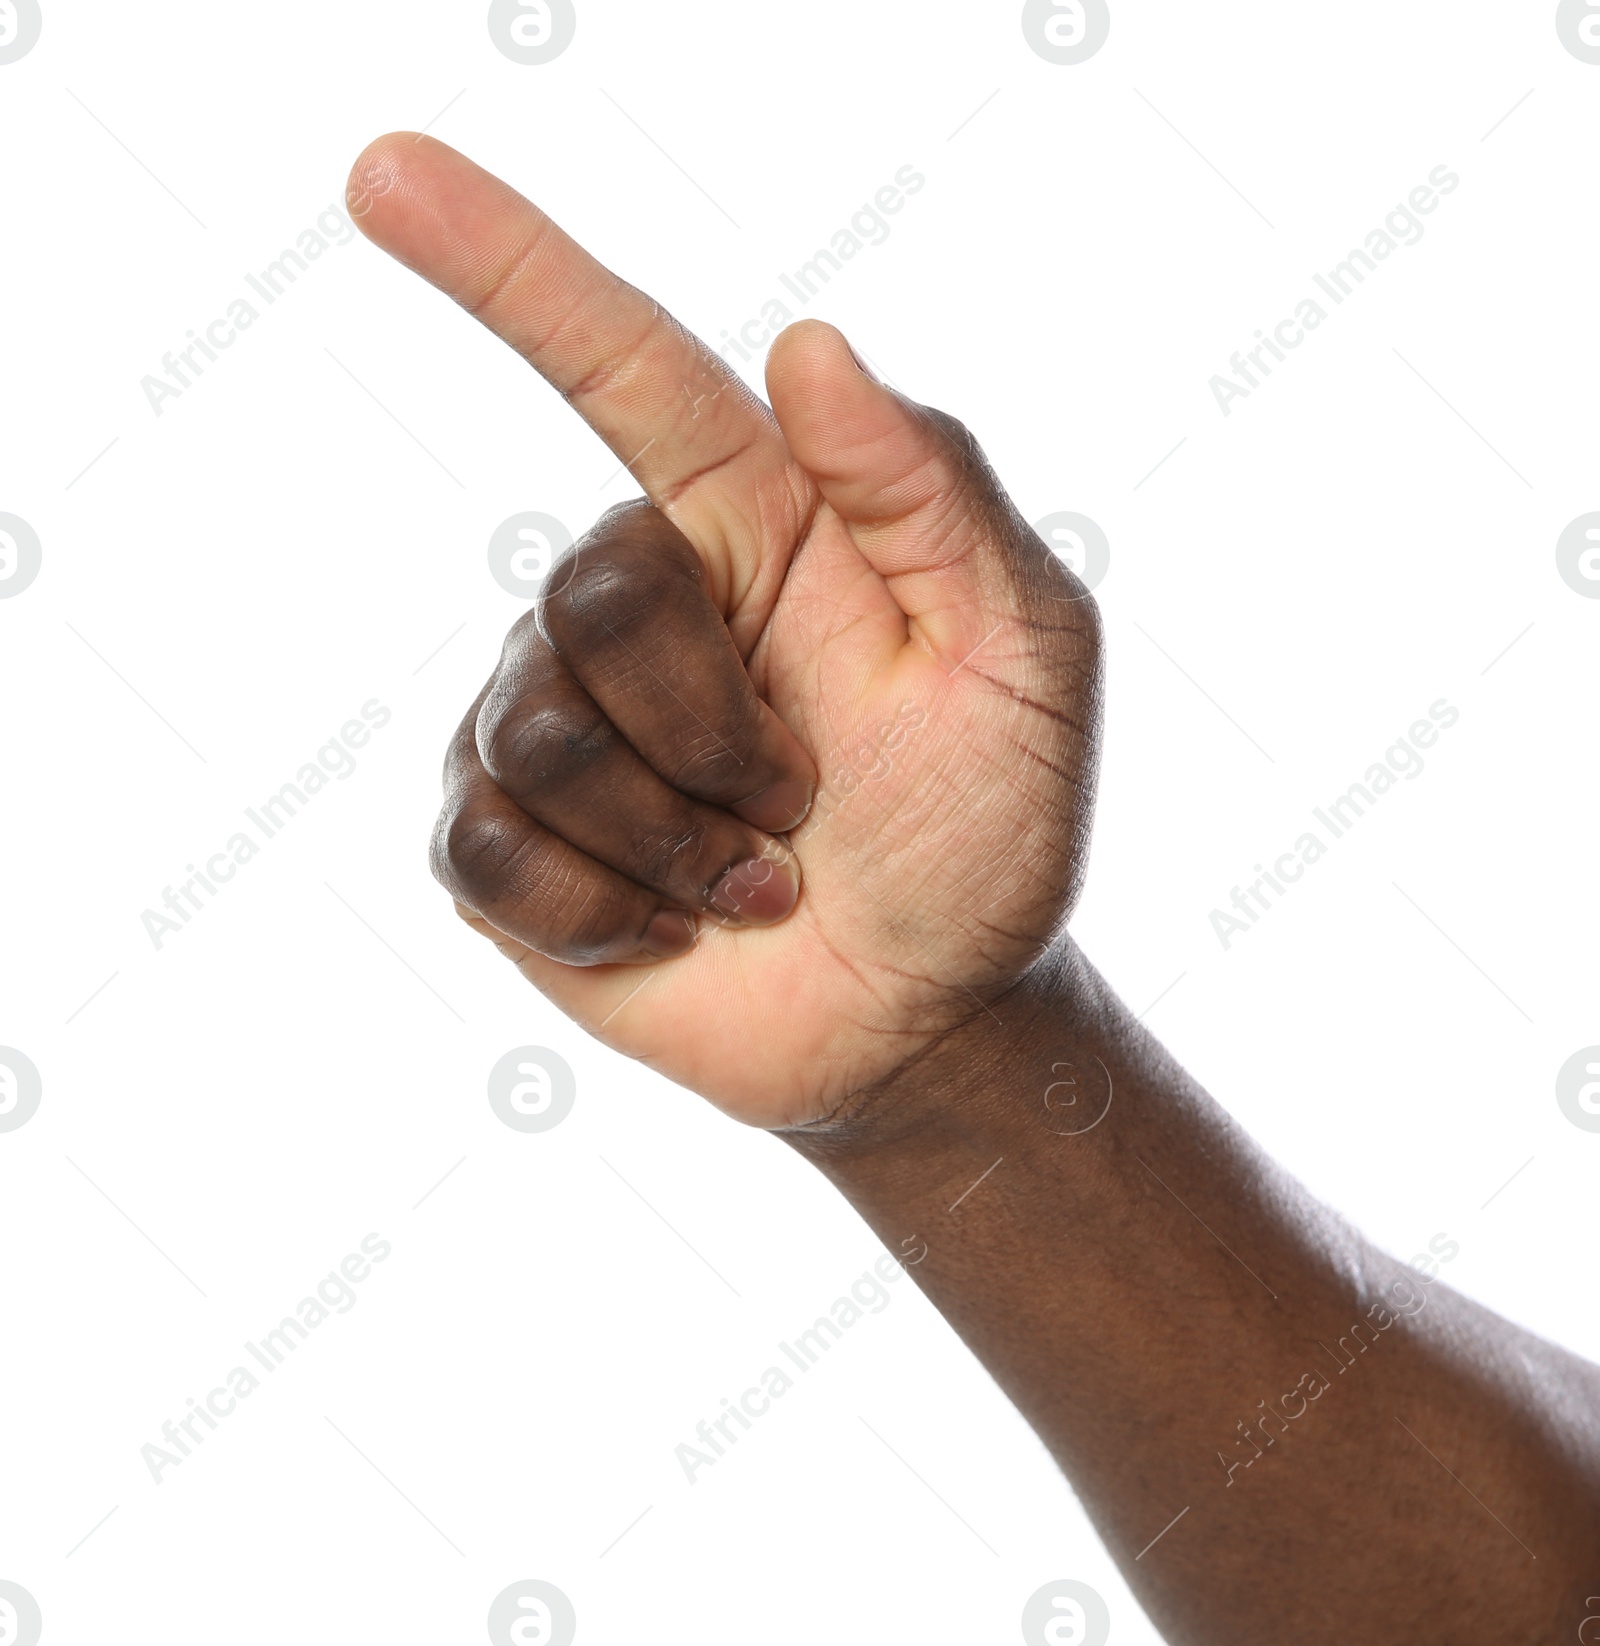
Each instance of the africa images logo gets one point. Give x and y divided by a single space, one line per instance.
20 1090
532 1613
1066 32
20 25
1578 25
20 552
20 1623
532 32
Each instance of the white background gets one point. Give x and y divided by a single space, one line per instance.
273 551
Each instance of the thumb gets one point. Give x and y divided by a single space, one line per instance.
921 502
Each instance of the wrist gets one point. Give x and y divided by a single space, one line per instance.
1026 1069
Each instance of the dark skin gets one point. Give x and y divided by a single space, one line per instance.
784 788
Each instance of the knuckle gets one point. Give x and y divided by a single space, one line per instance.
958 445
475 851
522 638
589 591
962 460
1049 585
536 747
632 515
609 600
950 428
616 577
484 860
601 587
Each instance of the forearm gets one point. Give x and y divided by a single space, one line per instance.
1192 1335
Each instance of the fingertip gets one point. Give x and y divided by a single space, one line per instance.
389 172
670 933
823 398
762 890
809 357
382 154
782 807
388 137
377 171
861 441
800 334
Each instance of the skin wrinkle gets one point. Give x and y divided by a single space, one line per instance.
697 767
850 966
675 494
1023 699
658 858
622 366
895 483
804 502
1064 773
513 270
945 517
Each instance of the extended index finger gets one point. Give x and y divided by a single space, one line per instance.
706 450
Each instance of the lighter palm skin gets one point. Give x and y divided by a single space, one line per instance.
873 575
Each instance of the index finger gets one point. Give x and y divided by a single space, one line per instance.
706 450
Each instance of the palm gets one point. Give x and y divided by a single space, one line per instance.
937 862
949 700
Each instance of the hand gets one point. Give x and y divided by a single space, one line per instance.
836 589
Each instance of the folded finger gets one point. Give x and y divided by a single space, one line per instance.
537 888
549 747
630 615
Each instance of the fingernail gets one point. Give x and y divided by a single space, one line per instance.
669 934
866 370
761 890
782 807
